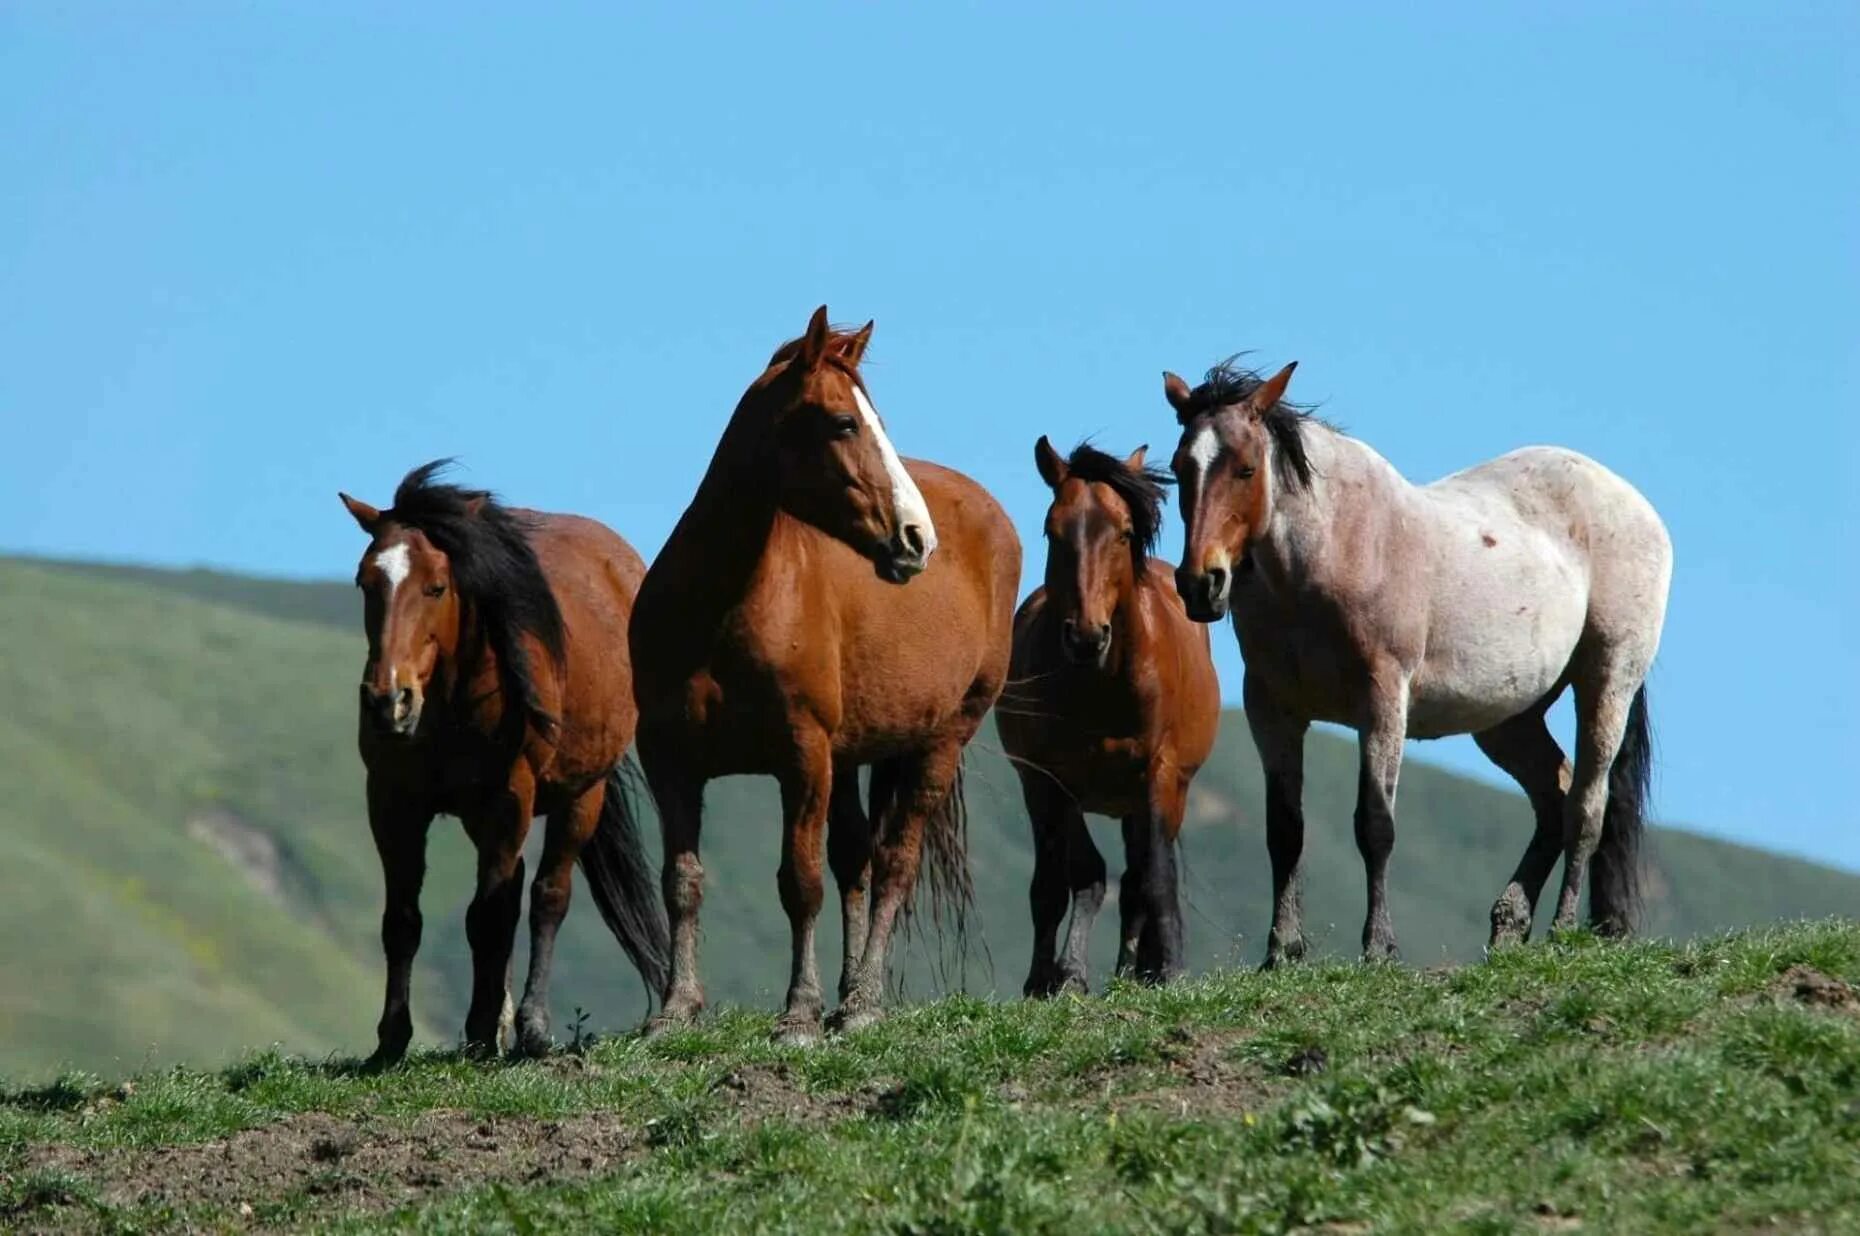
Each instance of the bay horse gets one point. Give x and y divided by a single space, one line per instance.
822 605
498 688
1112 706
1465 606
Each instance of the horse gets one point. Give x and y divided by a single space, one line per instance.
1112 707
497 688
1399 610
820 606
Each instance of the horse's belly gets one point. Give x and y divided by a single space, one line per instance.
1474 685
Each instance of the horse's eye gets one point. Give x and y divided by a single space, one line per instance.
845 426
435 591
1243 472
1127 536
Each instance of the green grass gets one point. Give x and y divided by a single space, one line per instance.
1639 1087
142 702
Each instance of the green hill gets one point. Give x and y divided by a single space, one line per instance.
190 872
1578 1086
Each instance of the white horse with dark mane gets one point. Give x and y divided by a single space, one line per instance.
1461 607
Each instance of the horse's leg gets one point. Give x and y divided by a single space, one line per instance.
1159 948
1602 703
1133 905
1085 878
849 854
806 788
1524 748
1046 893
679 797
568 830
400 840
1380 748
1280 739
922 783
498 828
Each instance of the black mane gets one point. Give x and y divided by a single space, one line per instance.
499 580
1140 488
1229 383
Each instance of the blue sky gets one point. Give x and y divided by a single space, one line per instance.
250 257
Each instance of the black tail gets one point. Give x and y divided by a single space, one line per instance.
624 882
943 882
1614 882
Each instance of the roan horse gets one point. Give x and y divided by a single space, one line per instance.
498 688
1112 706
1464 606
776 634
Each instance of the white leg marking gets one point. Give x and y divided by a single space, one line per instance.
906 499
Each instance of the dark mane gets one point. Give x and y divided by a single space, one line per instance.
499 580
1140 488
1230 383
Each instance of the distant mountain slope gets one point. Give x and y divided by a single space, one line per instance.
190 870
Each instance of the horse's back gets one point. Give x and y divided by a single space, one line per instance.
595 575
1535 554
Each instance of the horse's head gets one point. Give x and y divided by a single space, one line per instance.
1224 466
411 612
836 468
1099 533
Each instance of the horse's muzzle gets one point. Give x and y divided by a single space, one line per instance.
393 714
906 555
1205 594
1084 644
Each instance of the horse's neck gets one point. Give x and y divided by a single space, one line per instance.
1300 549
719 543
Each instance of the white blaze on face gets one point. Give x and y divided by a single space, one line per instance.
1203 449
394 562
907 500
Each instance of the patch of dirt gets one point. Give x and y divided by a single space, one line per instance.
770 1092
250 850
363 1164
1810 986
1204 1081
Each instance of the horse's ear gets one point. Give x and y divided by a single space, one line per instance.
1273 389
1052 468
1177 393
814 342
365 515
1135 460
852 349
475 504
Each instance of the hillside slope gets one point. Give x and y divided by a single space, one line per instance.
1581 1085
192 869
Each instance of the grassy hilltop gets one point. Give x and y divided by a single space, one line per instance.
190 873
1577 1085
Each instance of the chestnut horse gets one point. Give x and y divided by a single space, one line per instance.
1402 610
498 688
1112 707
777 633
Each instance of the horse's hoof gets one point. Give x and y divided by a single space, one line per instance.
1072 984
534 1042
383 1059
797 1032
847 1020
478 1049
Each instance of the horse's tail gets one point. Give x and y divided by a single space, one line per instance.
624 884
1614 889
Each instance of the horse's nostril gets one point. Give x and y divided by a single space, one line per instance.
913 538
1217 583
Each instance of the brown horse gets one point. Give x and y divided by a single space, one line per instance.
1112 707
498 688
772 636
